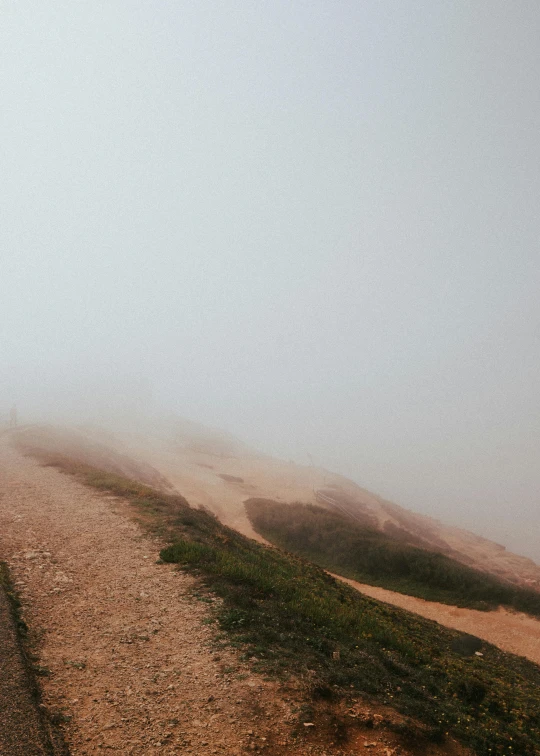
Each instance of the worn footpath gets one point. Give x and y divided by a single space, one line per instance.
126 658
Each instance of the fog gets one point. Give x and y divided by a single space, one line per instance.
314 225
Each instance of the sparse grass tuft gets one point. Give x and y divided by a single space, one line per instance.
13 599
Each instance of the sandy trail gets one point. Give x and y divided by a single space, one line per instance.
511 631
131 668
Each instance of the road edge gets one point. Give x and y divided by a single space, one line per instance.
41 735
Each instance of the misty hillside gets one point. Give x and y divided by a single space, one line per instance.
125 422
216 471
345 529
269 368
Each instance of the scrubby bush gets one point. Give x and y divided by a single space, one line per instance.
343 546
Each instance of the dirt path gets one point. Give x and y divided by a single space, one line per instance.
514 632
122 640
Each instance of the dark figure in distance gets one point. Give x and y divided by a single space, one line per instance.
13 417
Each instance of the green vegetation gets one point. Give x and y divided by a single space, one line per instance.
369 556
290 616
13 600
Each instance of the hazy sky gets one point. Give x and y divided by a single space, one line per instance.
314 224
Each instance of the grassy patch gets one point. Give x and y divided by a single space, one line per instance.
291 617
369 556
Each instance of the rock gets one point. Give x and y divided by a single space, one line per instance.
466 645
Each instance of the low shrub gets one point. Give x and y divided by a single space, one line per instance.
340 545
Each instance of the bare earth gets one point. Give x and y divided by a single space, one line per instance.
194 474
197 476
222 481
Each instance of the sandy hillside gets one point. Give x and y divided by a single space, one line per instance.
196 475
219 473
222 477
222 482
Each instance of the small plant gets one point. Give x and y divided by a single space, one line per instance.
41 671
